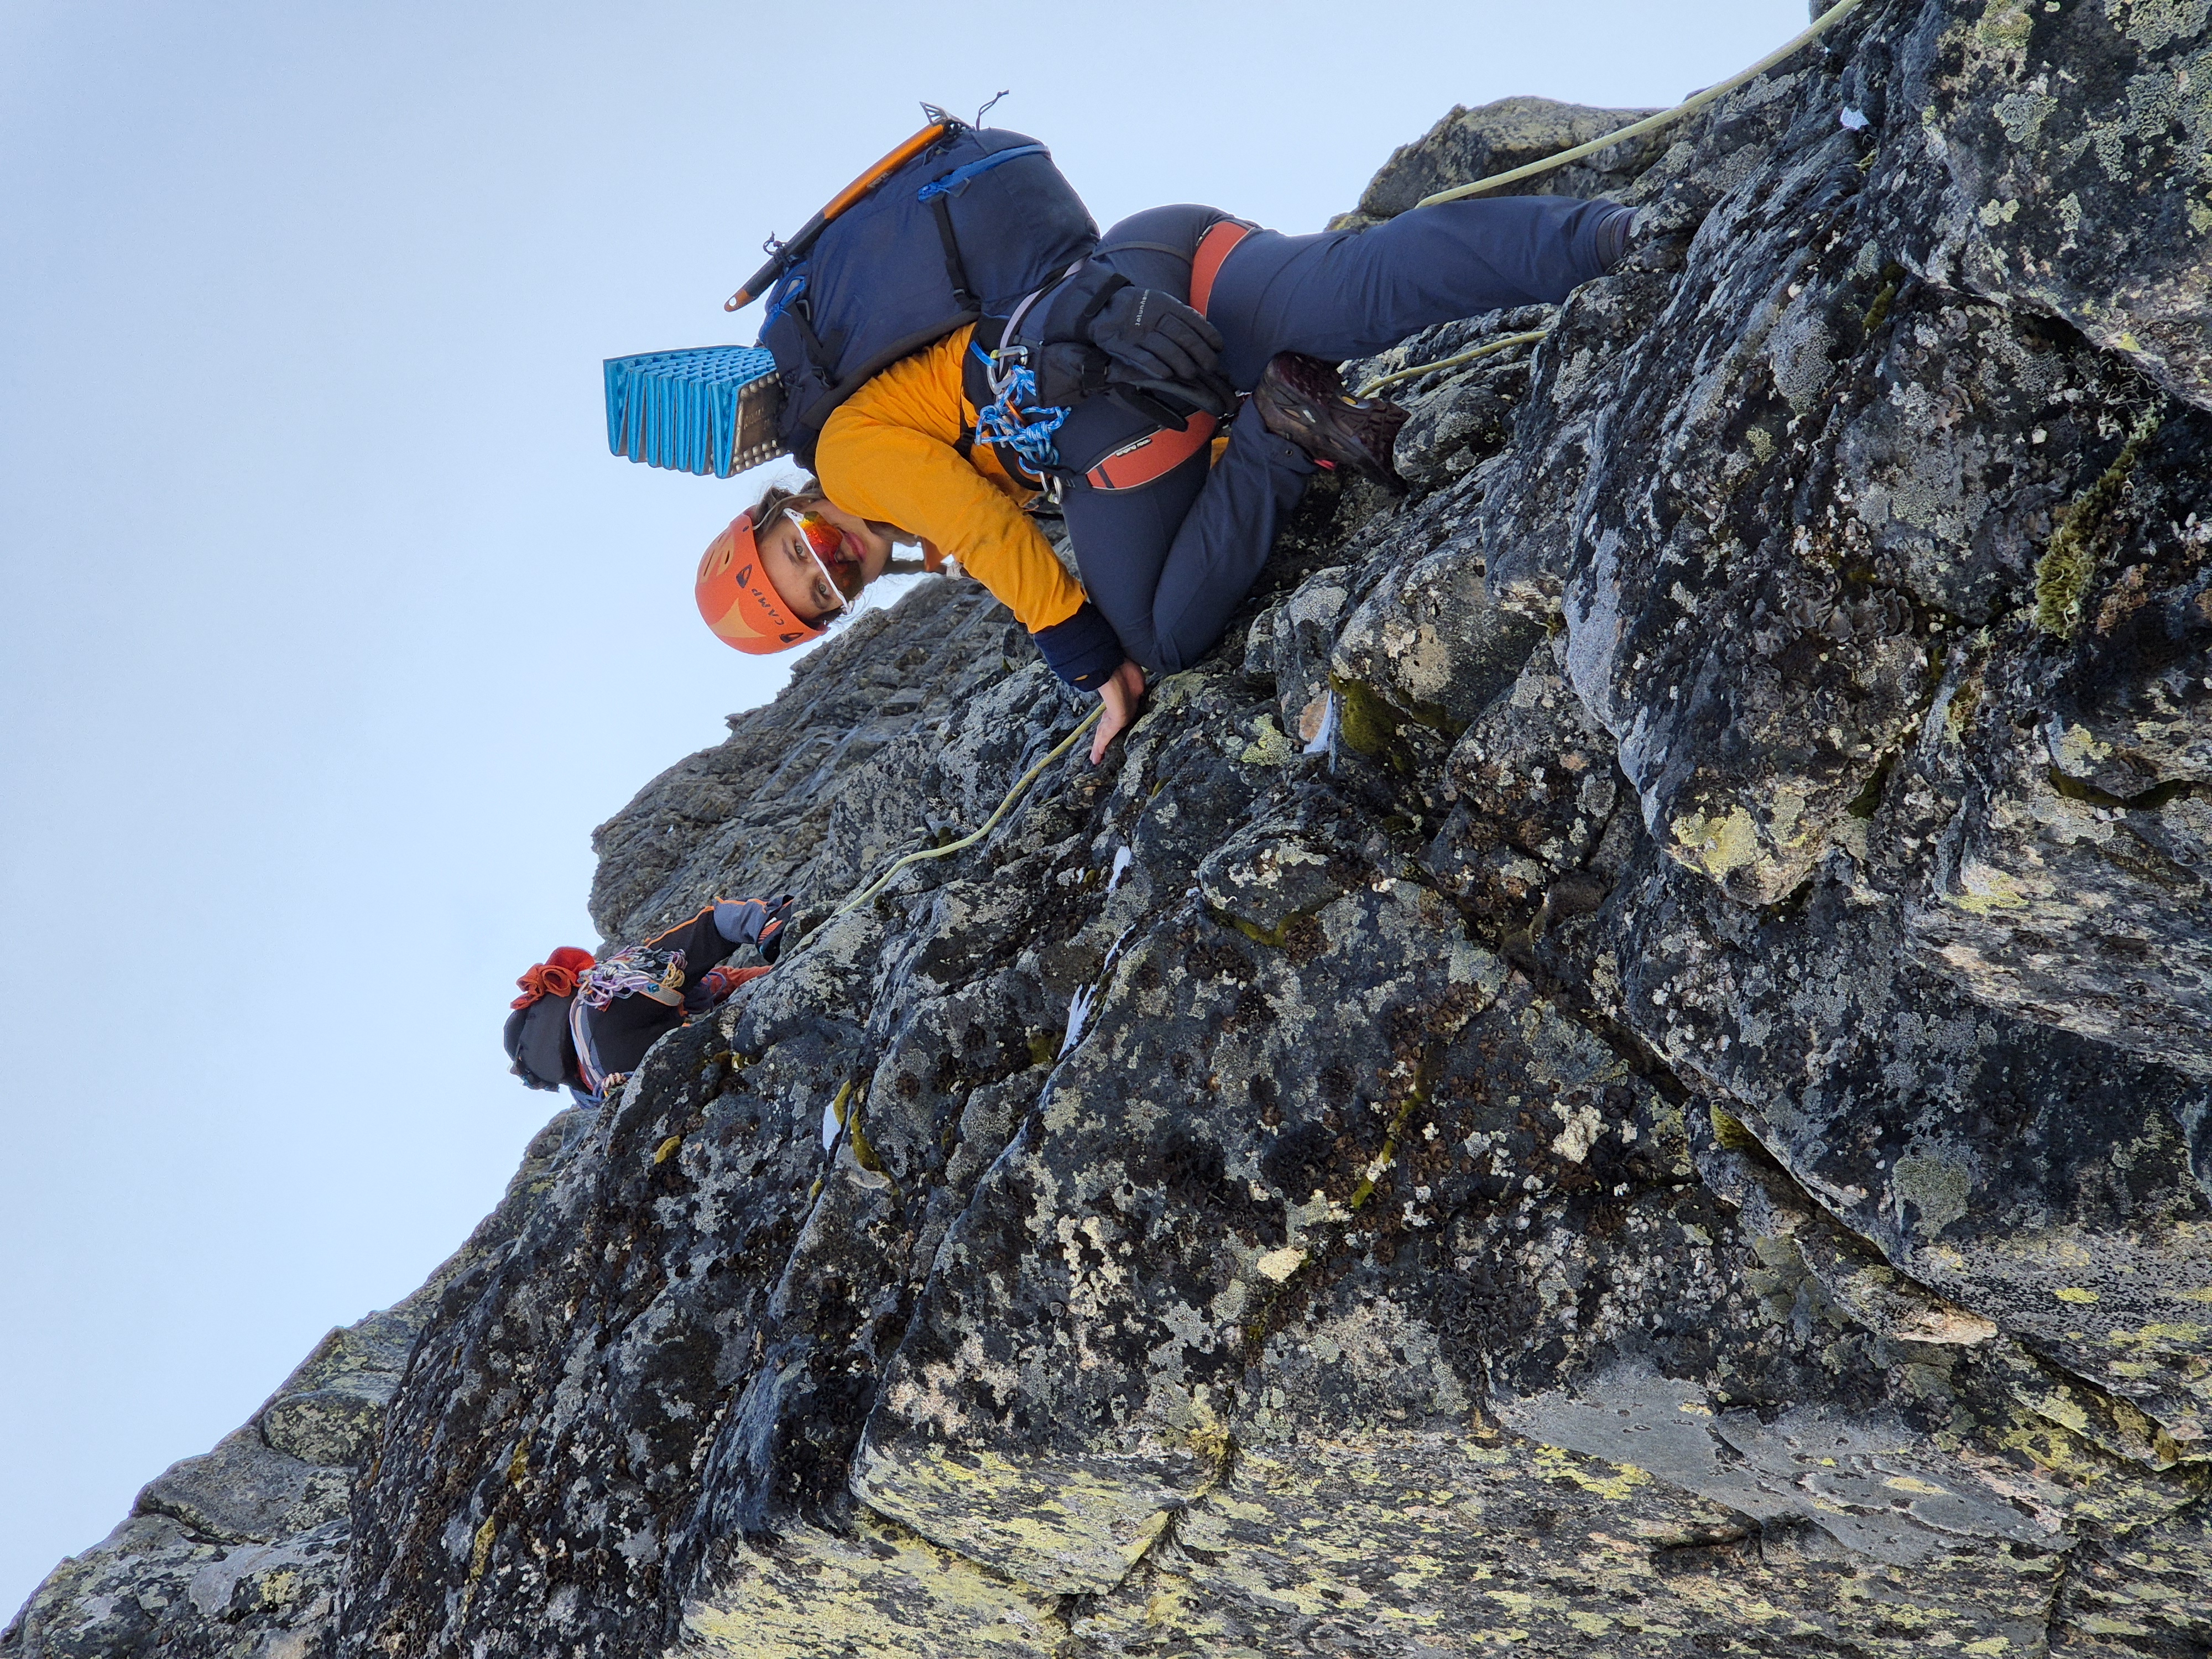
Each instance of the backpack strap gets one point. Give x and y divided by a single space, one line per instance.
975 376
1220 241
955 268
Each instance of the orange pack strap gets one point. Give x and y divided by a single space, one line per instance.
1220 241
1155 455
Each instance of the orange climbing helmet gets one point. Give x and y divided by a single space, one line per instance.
738 601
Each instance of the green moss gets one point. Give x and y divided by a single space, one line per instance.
1370 723
2069 564
1865 804
866 1155
1274 938
1729 1133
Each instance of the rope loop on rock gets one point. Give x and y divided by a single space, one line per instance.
1488 347
872 888
1826 21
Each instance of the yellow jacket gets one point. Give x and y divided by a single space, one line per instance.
888 453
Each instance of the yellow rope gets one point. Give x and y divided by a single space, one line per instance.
1826 21
990 823
1487 348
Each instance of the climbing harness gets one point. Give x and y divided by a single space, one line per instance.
990 823
1220 240
1488 347
1826 21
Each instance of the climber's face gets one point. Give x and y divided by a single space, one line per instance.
820 557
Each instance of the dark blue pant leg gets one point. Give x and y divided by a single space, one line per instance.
1351 294
1170 563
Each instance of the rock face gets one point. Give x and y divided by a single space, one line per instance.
1627 1068
243 1550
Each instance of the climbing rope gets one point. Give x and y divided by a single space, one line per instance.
990 823
1488 347
1826 21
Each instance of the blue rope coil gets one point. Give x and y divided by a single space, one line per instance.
1011 422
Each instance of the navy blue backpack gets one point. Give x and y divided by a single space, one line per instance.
955 226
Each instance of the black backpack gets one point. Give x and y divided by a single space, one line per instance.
957 225
536 1040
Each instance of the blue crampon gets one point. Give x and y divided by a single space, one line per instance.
1011 422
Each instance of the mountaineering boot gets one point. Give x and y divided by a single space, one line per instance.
1303 399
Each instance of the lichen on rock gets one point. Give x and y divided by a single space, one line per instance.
1623 1068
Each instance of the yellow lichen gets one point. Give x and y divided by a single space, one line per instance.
480 1553
1269 746
1716 844
1984 890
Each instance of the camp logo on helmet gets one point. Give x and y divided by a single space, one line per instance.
745 612
768 601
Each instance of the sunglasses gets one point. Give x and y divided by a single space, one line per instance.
823 541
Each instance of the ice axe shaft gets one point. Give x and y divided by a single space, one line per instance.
796 249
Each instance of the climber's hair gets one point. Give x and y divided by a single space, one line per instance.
804 491
777 496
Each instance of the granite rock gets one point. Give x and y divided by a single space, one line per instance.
1622 1068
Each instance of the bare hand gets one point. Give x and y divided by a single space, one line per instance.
1123 696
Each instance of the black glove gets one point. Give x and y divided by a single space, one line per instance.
757 922
1067 372
1159 344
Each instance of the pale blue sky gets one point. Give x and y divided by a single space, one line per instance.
331 627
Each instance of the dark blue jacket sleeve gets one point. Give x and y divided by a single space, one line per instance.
1084 650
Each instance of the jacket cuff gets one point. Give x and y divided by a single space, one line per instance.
1084 650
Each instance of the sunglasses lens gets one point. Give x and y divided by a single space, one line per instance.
826 542
825 538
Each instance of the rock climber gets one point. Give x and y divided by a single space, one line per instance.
584 1026
1181 310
